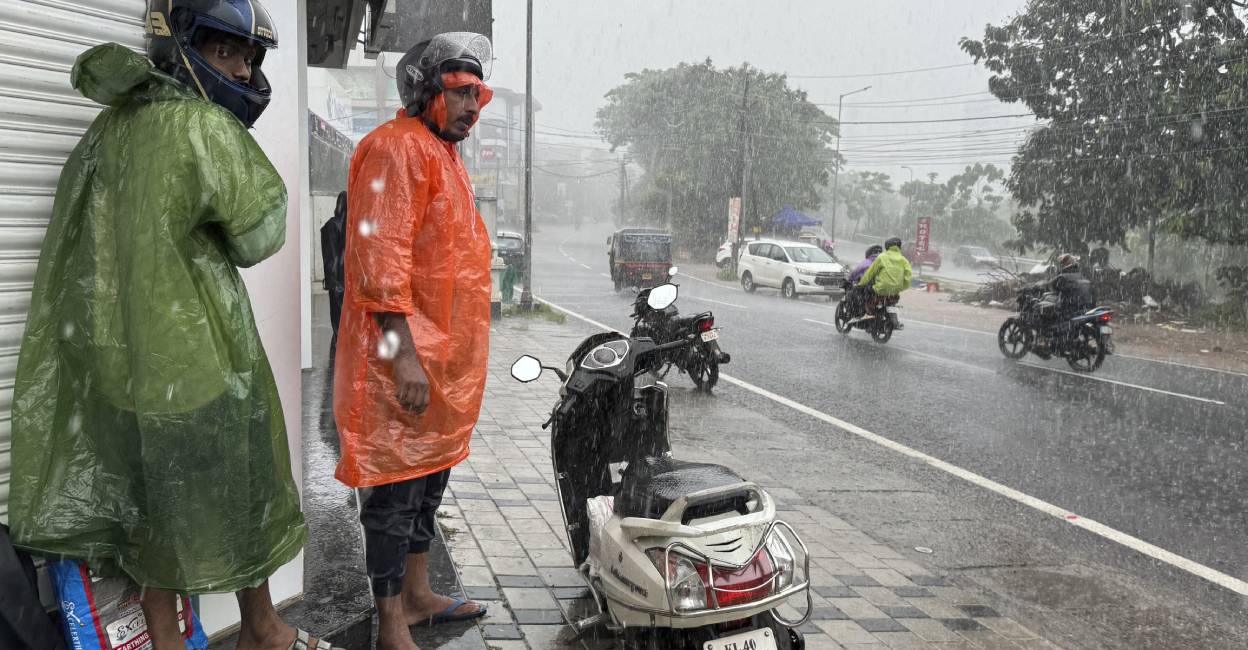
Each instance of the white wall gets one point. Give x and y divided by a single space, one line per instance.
278 284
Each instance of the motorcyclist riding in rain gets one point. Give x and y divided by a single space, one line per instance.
857 297
889 274
1071 289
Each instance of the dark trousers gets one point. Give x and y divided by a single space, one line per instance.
399 520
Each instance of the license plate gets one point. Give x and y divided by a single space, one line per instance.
753 640
647 276
891 310
1106 329
710 335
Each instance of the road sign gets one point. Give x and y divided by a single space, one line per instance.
923 234
734 217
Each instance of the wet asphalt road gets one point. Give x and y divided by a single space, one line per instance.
1151 449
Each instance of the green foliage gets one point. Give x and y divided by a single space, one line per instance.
964 209
683 126
726 275
1145 120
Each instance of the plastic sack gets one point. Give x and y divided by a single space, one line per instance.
600 509
148 432
105 613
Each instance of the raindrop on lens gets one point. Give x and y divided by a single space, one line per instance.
67 330
378 184
1198 131
367 228
75 423
388 346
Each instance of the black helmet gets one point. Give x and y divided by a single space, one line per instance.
419 72
173 39
874 250
893 241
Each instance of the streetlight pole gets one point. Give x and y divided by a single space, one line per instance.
836 162
909 199
526 295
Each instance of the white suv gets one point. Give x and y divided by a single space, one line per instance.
794 268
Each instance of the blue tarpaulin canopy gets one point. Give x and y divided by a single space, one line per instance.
790 218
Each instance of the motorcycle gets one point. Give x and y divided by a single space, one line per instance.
700 361
676 555
878 317
1083 340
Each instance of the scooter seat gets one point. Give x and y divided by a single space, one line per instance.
650 488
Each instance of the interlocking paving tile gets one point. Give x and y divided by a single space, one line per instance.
880 625
482 593
962 624
570 593
929 581
520 581
913 592
491 632
903 612
979 611
827 613
858 581
836 592
538 616
528 598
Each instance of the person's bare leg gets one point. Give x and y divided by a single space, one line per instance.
419 600
392 626
262 628
160 609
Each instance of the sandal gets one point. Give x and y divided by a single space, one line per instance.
448 615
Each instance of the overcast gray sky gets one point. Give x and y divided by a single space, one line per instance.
583 48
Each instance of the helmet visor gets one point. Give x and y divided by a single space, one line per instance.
458 46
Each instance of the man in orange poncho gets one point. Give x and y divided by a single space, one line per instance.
414 337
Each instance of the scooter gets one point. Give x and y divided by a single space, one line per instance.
677 555
1084 340
701 360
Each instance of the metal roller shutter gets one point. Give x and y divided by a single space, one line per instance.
41 119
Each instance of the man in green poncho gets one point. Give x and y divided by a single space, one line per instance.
148 436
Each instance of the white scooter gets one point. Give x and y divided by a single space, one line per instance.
677 554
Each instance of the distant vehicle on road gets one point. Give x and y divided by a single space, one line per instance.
794 268
639 257
510 246
930 259
723 256
975 257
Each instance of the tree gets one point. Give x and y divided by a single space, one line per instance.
685 127
975 199
1145 113
866 195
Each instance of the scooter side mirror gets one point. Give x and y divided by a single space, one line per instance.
671 273
526 369
662 296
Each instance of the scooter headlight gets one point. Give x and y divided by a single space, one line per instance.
686 579
783 560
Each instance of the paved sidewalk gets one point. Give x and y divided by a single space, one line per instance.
504 532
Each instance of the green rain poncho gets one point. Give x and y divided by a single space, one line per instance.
147 431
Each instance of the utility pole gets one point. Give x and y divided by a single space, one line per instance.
745 174
836 162
909 199
623 186
526 295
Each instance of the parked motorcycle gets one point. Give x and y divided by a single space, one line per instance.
701 360
877 317
1083 340
677 555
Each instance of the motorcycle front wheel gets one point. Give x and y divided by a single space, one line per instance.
1013 339
841 320
1086 352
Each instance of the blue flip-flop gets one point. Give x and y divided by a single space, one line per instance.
448 615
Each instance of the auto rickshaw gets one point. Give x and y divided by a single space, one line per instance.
639 257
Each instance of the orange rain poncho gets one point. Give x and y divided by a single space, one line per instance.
416 245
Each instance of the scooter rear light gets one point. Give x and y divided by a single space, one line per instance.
686 579
706 324
1107 316
750 583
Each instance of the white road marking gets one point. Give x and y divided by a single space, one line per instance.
950 327
916 352
723 285
1129 541
1123 383
1183 365
586 267
718 302
605 275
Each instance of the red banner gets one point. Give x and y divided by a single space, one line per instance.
923 235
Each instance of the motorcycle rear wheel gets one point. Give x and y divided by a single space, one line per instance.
1086 352
882 330
1014 339
704 371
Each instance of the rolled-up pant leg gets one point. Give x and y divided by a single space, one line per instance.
399 519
